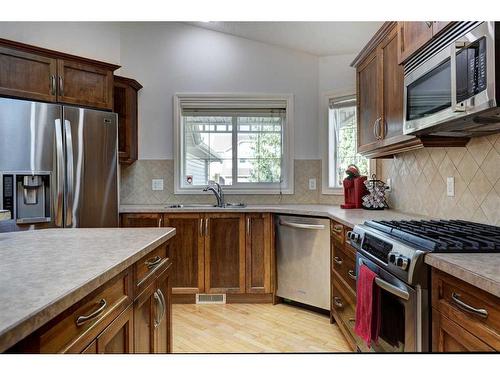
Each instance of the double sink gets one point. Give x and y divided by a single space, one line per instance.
200 205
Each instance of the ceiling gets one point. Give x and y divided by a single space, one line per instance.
316 38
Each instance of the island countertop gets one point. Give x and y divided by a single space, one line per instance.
44 272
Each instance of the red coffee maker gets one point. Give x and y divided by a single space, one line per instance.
354 188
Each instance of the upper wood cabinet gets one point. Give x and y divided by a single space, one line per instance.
35 73
414 35
126 106
225 253
258 253
27 75
379 89
187 248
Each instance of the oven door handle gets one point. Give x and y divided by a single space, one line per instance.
388 287
453 69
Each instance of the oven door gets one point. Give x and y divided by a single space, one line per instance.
401 318
456 82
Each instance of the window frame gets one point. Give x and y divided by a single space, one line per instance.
252 100
325 188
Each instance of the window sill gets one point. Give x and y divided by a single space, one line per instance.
228 191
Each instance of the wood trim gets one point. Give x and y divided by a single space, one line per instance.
374 42
128 82
184 298
249 298
126 321
56 54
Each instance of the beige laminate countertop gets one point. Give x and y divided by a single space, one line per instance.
346 217
480 270
44 272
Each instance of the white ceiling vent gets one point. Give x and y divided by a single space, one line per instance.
205 299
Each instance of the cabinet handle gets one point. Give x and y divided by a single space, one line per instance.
61 86
52 84
151 263
248 226
351 274
376 128
206 226
164 305
483 313
337 301
82 319
159 311
338 228
337 260
160 222
201 228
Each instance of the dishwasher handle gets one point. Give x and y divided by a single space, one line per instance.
301 226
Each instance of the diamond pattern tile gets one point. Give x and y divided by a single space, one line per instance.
419 181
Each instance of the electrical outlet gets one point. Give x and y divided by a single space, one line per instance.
157 184
450 186
388 184
312 184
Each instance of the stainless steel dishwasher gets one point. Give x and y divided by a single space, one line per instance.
303 258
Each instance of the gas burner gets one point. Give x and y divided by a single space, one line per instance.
443 236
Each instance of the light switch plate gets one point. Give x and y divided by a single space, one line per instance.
450 186
388 184
157 184
312 184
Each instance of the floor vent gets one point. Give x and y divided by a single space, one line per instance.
204 299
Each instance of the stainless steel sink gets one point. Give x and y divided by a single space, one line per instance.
200 205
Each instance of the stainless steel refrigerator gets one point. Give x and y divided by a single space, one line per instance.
58 166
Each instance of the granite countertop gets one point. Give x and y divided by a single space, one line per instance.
480 270
44 272
347 217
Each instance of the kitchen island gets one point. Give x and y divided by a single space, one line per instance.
61 288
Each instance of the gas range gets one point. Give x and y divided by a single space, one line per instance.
395 251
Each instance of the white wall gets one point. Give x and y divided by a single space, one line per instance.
95 40
171 57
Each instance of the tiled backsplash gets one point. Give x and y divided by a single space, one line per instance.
136 186
419 181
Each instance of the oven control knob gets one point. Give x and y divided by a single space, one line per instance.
353 236
402 262
392 257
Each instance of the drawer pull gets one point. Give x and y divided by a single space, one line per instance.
351 274
483 313
338 228
151 263
337 260
337 301
160 310
82 319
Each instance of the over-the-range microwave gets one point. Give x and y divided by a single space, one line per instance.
450 87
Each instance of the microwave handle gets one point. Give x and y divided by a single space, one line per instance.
453 68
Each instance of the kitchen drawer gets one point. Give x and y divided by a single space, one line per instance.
337 231
344 264
456 299
150 266
344 311
78 326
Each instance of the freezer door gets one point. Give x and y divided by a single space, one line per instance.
30 144
91 199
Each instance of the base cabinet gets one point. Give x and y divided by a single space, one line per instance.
258 253
118 337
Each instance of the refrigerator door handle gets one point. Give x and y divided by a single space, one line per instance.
59 173
69 173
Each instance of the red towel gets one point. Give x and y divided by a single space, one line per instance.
367 306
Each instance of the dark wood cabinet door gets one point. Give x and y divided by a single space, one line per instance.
145 310
258 253
141 220
412 36
368 94
84 84
118 337
391 125
126 106
448 336
27 75
187 249
163 330
225 253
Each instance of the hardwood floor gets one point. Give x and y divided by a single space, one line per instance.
253 328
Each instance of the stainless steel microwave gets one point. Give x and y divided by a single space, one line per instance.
450 87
